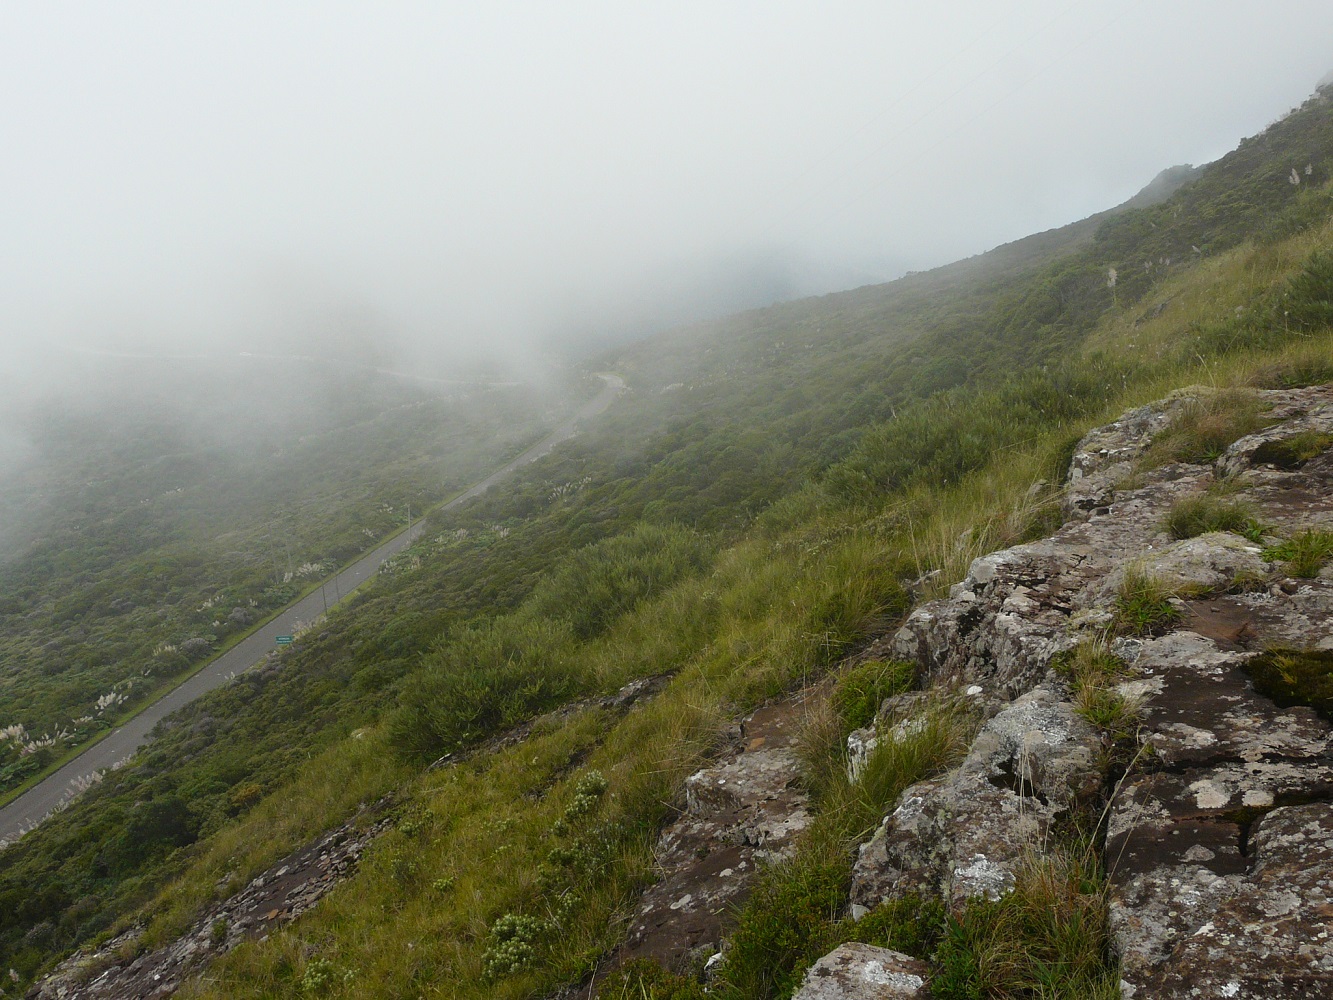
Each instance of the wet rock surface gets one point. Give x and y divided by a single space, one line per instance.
271 900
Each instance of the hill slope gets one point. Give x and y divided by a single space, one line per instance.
778 491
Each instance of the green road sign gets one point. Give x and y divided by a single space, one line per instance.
282 640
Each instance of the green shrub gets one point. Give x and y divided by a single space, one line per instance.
1143 606
1198 515
1303 555
598 583
1292 677
860 690
483 679
789 921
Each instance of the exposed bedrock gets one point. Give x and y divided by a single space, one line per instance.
1219 847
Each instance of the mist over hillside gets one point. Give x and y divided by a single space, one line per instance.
523 503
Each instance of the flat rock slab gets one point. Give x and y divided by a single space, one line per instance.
863 972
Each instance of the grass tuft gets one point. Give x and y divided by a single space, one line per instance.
1143 606
1198 515
1293 677
1293 452
1303 555
863 688
1204 428
1048 938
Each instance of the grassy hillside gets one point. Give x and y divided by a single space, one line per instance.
746 517
153 523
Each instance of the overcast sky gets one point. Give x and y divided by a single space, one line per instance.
240 175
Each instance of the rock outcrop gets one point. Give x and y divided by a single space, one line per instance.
745 810
1219 838
860 970
271 900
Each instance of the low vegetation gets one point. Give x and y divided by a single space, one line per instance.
1303 554
794 914
1198 515
1293 452
1143 605
1205 426
1093 673
1049 937
1295 677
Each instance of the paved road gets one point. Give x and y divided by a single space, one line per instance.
56 789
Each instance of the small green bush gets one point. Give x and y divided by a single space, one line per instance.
1292 677
1303 555
513 945
598 583
862 689
1143 606
482 680
322 978
1198 515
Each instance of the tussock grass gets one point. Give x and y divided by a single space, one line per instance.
1303 554
1143 605
1205 426
1048 938
1198 515
860 690
1093 672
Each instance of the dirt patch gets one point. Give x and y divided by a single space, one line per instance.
1229 623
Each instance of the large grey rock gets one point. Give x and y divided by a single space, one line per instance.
963 835
863 972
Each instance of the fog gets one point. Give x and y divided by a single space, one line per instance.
426 183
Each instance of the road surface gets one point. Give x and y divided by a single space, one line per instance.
58 788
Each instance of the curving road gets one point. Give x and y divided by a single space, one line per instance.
58 788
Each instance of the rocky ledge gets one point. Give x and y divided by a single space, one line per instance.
1219 834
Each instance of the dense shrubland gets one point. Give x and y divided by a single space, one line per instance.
754 511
